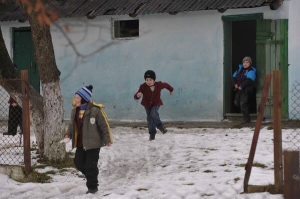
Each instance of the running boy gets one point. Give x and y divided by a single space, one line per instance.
150 90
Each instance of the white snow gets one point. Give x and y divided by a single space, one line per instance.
184 163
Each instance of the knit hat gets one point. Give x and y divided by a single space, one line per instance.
85 93
150 74
248 59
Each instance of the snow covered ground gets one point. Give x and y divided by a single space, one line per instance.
182 164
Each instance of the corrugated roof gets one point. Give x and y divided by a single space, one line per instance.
9 11
240 4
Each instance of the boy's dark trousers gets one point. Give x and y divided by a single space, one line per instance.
14 119
153 119
241 100
86 161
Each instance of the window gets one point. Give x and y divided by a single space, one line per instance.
125 29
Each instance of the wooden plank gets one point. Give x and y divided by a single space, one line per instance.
283 23
259 119
26 119
277 120
264 32
291 175
227 77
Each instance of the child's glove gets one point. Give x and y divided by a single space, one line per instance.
65 140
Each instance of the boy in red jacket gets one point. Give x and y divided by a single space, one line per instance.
150 90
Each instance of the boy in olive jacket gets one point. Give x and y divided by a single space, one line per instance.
89 131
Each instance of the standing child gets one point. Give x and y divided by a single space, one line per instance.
243 82
14 117
150 90
89 131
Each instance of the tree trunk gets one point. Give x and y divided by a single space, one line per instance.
10 81
49 75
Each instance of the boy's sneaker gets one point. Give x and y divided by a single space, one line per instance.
92 191
152 137
163 129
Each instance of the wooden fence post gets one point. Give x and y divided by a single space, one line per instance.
259 119
277 132
26 119
291 175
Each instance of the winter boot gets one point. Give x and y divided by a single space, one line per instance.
92 191
7 133
152 137
163 129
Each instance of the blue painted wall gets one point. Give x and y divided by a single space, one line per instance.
185 50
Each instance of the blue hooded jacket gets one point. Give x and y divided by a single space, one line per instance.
248 77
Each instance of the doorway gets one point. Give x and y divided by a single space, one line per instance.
265 41
243 44
23 55
239 42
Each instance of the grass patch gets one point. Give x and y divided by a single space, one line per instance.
190 184
66 163
270 128
264 188
237 126
142 189
240 165
207 194
50 172
34 176
237 179
63 170
208 171
256 164
223 165
42 166
227 170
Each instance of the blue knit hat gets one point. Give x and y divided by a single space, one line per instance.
85 94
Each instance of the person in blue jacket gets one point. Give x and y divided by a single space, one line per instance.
243 82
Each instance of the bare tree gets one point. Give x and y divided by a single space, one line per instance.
46 112
8 72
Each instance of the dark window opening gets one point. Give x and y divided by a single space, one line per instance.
126 28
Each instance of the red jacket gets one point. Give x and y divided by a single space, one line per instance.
11 100
152 98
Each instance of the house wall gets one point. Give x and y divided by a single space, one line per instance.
185 50
294 52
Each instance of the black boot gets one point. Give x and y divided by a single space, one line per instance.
152 137
7 133
92 191
246 117
162 129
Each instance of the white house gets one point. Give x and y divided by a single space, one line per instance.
193 45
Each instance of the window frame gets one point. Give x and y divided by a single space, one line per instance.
113 20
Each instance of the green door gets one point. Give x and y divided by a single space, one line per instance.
272 54
23 55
